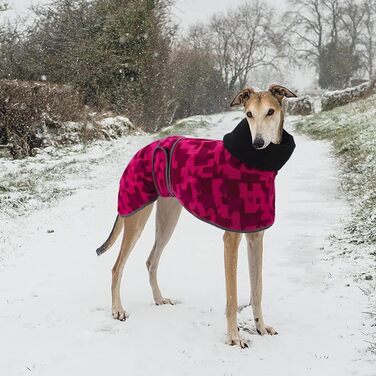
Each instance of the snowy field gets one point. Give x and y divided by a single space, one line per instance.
55 306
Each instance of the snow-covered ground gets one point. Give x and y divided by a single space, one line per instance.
55 316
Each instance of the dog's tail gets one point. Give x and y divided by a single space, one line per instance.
118 225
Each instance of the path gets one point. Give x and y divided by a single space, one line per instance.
55 316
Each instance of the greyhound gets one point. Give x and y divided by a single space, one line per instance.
265 117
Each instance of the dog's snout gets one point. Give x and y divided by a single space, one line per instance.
258 143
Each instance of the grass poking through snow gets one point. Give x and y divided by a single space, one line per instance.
352 130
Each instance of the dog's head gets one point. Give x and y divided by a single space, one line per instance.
264 113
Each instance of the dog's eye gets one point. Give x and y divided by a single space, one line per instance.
249 114
270 112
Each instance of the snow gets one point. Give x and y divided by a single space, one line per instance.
117 120
55 316
336 98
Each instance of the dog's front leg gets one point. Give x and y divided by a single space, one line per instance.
231 245
255 251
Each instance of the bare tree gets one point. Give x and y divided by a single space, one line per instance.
198 36
306 22
351 16
240 40
315 23
368 35
333 19
3 6
325 34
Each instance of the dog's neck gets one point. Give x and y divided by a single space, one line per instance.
272 158
281 124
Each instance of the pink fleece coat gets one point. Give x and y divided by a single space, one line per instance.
205 178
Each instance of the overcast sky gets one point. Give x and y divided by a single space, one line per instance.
185 11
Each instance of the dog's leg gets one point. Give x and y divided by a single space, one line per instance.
255 251
168 212
231 245
133 227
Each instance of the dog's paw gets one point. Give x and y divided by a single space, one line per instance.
265 329
237 341
119 314
161 301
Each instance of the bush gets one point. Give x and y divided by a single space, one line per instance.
25 107
337 64
198 87
299 106
115 52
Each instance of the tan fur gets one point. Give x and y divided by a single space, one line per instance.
167 216
168 212
231 242
133 227
264 127
116 230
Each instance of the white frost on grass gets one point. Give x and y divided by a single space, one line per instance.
352 130
55 316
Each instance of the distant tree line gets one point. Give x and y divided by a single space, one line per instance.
337 37
127 56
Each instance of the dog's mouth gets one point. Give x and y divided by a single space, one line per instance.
260 147
265 145
259 143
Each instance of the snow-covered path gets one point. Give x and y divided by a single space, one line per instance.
55 316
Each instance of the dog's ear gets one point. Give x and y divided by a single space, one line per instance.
280 92
242 97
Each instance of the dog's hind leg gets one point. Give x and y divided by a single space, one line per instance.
255 251
168 212
133 227
231 245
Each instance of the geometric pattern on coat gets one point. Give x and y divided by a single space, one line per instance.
205 178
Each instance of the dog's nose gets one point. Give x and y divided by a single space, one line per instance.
258 143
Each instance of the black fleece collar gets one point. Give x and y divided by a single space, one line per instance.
272 158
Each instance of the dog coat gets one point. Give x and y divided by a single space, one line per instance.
226 183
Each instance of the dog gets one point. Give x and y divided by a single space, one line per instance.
259 138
